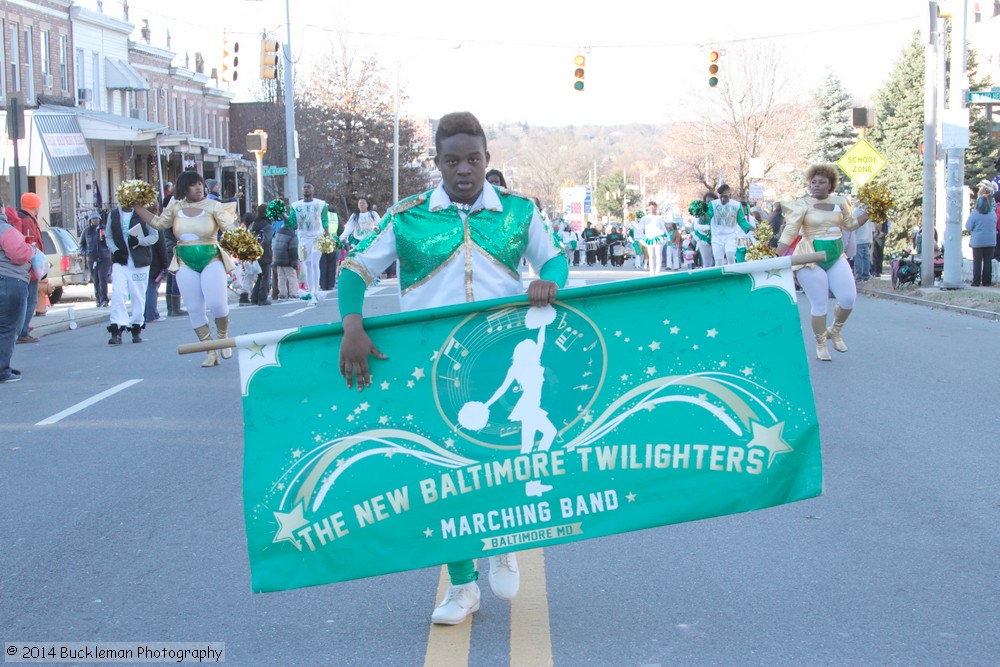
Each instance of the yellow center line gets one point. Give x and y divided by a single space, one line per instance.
448 645
530 637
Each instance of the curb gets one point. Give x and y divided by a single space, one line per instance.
891 296
63 325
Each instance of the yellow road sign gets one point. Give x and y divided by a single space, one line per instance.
862 162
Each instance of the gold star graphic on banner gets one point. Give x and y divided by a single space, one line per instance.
288 523
384 385
417 373
769 438
428 533
630 497
256 349
675 330
655 345
712 333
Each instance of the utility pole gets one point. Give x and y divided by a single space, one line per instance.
956 141
930 148
292 179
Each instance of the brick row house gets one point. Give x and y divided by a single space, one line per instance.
101 107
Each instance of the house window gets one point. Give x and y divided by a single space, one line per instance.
15 58
3 63
29 64
79 72
95 77
64 61
45 62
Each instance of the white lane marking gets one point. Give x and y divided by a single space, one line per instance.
300 310
87 403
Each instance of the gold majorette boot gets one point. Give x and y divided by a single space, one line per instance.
840 316
211 357
222 331
819 328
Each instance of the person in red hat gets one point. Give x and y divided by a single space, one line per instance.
30 203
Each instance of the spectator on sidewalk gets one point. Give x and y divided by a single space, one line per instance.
95 249
28 213
862 255
982 225
157 274
261 228
286 259
15 266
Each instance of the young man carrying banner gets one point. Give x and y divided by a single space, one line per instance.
460 242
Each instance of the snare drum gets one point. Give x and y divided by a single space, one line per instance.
591 246
617 250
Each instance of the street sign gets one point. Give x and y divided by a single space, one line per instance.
862 162
983 96
755 191
275 171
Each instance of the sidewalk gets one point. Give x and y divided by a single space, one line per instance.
77 305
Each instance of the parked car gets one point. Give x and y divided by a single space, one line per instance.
69 266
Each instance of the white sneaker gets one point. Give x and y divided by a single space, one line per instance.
505 580
458 603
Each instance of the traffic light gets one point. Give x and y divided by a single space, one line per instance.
230 59
713 69
578 71
268 59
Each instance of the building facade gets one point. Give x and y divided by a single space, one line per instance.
101 107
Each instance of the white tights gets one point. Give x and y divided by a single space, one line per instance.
205 289
817 284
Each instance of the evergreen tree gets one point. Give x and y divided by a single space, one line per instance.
830 121
898 131
982 152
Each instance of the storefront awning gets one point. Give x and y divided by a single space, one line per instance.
109 127
122 76
55 145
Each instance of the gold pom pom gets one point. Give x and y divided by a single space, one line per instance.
135 193
878 200
327 244
762 248
241 244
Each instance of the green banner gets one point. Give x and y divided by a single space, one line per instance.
496 427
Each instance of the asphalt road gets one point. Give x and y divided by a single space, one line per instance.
123 521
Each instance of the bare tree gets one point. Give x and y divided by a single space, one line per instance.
748 115
345 124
